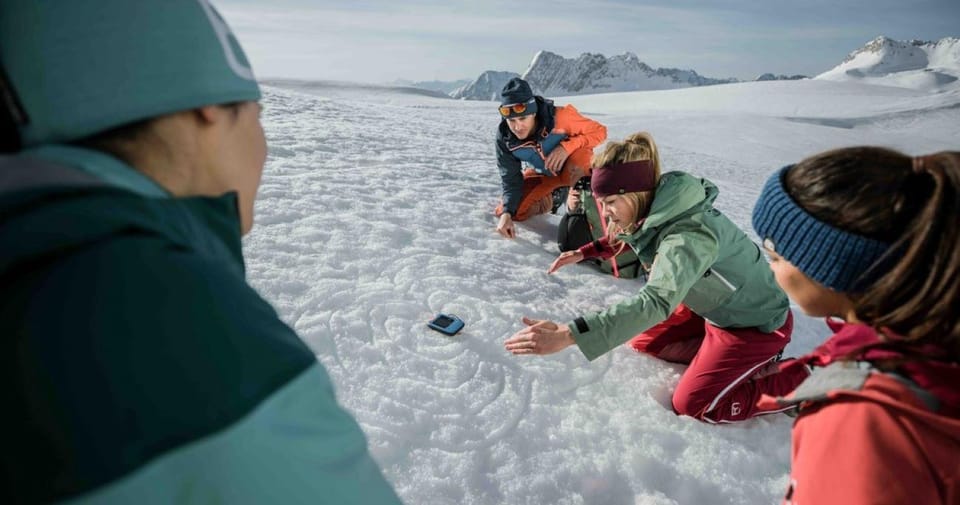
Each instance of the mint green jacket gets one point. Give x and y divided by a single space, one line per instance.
140 367
697 257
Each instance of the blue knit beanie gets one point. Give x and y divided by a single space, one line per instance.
79 68
831 256
516 91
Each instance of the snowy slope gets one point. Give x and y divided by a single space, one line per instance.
375 213
334 89
447 87
912 64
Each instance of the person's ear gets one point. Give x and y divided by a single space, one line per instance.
208 114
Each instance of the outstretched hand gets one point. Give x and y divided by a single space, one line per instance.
539 337
565 258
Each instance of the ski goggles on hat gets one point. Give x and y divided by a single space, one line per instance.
518 109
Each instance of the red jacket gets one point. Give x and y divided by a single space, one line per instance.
865 436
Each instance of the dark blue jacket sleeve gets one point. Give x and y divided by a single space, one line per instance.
511 178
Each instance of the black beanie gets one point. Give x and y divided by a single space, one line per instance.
516 90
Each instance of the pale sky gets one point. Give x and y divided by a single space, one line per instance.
380 41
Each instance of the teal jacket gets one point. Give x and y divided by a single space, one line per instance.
138 366
697 257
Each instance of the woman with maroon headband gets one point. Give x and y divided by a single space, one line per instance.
709 300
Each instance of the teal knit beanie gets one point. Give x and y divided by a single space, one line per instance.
78 68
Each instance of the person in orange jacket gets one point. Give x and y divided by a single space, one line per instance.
870 235
556 142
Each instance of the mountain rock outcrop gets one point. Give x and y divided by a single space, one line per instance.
485 87
550 75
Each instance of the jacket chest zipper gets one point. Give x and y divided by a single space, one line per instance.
722 279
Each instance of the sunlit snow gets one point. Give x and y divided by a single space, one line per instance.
375 213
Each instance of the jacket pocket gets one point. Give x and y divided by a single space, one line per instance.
710 292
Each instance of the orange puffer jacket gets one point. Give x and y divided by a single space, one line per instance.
563 126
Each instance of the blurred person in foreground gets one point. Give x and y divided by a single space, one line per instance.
139 366
870 237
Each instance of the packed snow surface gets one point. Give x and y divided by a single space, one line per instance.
375 213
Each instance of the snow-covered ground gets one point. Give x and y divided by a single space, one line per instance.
375 213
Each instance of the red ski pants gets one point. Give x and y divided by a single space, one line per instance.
538 189
720 385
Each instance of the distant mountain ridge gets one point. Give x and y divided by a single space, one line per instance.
447 87
550 74
916 64
780 77
485 87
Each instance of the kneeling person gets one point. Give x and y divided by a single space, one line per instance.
710 299
556 141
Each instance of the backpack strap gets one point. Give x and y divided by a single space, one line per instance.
849 376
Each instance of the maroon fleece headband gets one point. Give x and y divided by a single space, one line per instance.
623 178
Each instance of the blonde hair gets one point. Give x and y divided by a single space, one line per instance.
637 147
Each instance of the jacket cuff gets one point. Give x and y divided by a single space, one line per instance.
599 248
590 251
589 342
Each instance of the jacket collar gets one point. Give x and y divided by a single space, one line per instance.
546 113
104 167
678 195
52 208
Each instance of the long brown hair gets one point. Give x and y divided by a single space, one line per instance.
912 203
637 147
